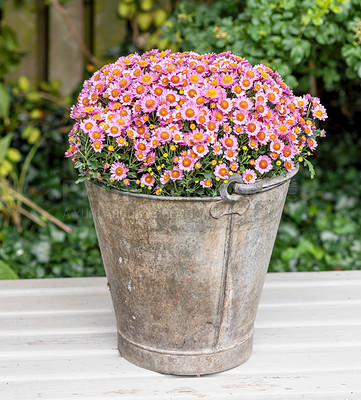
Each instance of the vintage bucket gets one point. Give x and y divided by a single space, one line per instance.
186 274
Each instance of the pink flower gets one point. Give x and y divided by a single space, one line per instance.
289 165
186 163
221 171
97 146
276 146
118 171
287 153
165 177
229 142
149 103
176 174
147 179
201 149
234 166
263 164
206 183
249 176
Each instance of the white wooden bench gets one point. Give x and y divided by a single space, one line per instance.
58 341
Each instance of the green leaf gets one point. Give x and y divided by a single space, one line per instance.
4 101
6 272
297 54
310 167
4 145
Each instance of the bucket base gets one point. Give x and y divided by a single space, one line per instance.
185 363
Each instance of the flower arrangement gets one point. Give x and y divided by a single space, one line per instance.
179 124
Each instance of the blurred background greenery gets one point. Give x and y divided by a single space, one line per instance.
48 48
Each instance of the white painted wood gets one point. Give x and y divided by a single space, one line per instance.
58 341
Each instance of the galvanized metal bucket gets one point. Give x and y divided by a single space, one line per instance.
186 274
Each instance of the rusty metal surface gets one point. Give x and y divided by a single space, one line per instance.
186 275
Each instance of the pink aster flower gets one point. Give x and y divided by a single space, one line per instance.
118 171
225 105
276 146
287 153
149 103
201 149
176 174
229 142
263 164
88 125
147 179
189 111
141 145
217 148
234 165
165 177
186 163
243 103
221 171
97 146
230 155
289 165
206 183
249 176
252 127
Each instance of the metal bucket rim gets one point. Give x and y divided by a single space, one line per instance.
274 182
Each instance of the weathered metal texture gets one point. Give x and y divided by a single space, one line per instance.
186 274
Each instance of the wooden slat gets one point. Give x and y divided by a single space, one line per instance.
58 341
66 61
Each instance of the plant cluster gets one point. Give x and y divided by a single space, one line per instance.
182 123
302 40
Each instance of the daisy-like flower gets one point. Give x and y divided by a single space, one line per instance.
217 148
176 174
96 135
198 136
276 146
311 143
287 153
263 164
289 165
225 105
149 103
252 127
186 163
319 113
118 171
88 125
243 103
163 112
147 179
97 146
262 136
141 145
249 176
221 171
229 142
121 141
201 149
164 134
190 112
230 155
114 130
165 177
233 165
206 183
227 80
239 117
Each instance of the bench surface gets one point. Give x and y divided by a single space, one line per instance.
58 341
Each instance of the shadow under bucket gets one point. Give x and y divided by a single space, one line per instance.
186 274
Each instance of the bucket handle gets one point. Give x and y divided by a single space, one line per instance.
241 188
